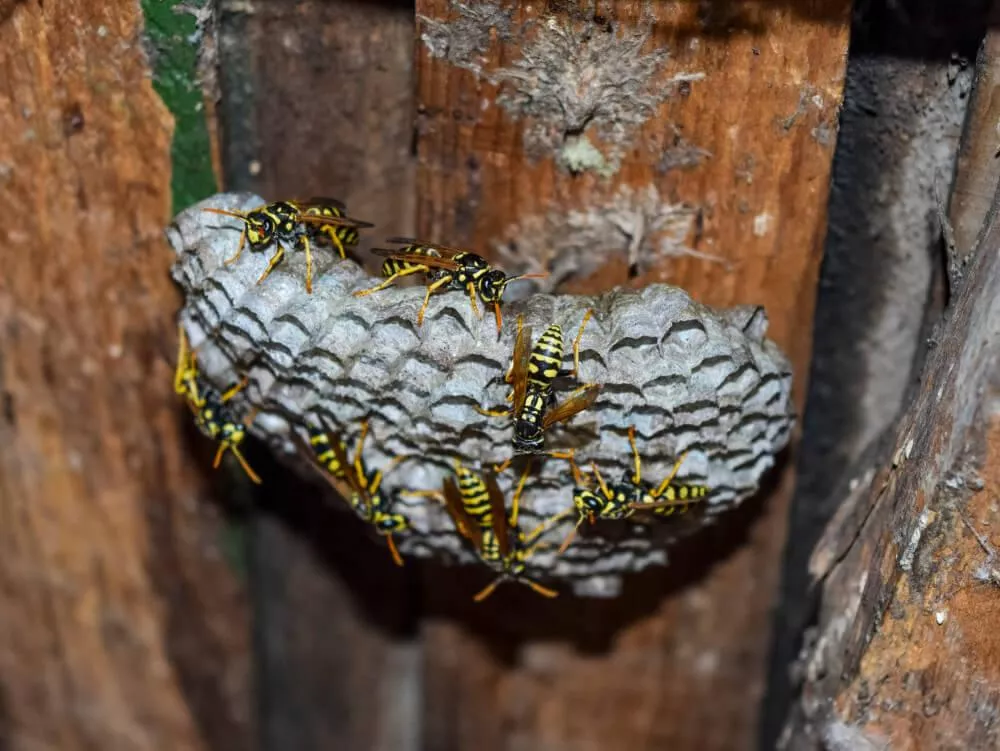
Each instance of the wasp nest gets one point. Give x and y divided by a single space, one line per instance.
687 377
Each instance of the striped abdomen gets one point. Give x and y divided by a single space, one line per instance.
392 266
346 235
475 497
323 450
489 551
546 358
682 496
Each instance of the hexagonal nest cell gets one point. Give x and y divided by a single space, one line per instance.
687 377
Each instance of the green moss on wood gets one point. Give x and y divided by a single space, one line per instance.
174 37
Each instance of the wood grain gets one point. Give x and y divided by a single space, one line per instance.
679 661
912 552
318 100
123 626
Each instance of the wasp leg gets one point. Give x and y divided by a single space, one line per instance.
499 317
358 466
471 289
337 242
673 473
307 247
576 342
239 251
637 474
515 505
538 531
234 389
571 536
501 468
431 289
600 482
405 272
275 260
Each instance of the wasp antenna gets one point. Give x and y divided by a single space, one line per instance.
397 559
570 537
488 589
226 212
543 591
246 467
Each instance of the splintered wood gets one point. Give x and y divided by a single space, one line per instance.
629 143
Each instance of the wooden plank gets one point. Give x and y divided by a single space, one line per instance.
318 100
906 571
679 662
124 627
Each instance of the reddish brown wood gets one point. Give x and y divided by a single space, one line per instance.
679 661
124 627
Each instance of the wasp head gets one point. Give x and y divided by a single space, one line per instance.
587 502
528 437
260 229
492 285
389 523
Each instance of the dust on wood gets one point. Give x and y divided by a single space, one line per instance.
123 626
760 124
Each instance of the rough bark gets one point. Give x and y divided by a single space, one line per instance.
508 164
123 626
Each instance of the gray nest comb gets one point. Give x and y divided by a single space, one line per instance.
689 378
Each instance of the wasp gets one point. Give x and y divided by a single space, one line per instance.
476 505
213 414
297 224
622 499
448 268
357 484
532 374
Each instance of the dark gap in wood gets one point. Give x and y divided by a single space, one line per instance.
887 72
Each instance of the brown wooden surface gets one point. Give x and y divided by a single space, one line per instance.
318 96
123 627
903 654
904 650
679 660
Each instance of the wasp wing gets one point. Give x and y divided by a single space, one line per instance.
498 512
335 221
419 259
323 202
519 369
571 406
467 527
445 250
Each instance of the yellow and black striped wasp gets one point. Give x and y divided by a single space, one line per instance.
477 506
297 224
622 499
213 414
356 484
450 268
532 374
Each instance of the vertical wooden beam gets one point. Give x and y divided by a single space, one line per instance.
123 626
318 100
510 147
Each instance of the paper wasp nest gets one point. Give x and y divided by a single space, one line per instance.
689 378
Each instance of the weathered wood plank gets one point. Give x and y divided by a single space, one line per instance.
124 628
515 135
318 100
